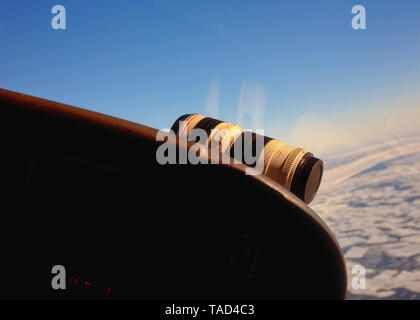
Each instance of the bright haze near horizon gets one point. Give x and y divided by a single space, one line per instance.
295 68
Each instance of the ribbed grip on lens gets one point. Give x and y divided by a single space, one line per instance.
307 177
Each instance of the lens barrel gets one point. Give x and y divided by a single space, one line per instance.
295 169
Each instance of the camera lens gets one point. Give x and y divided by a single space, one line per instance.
294 168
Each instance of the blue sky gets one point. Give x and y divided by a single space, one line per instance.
151 61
